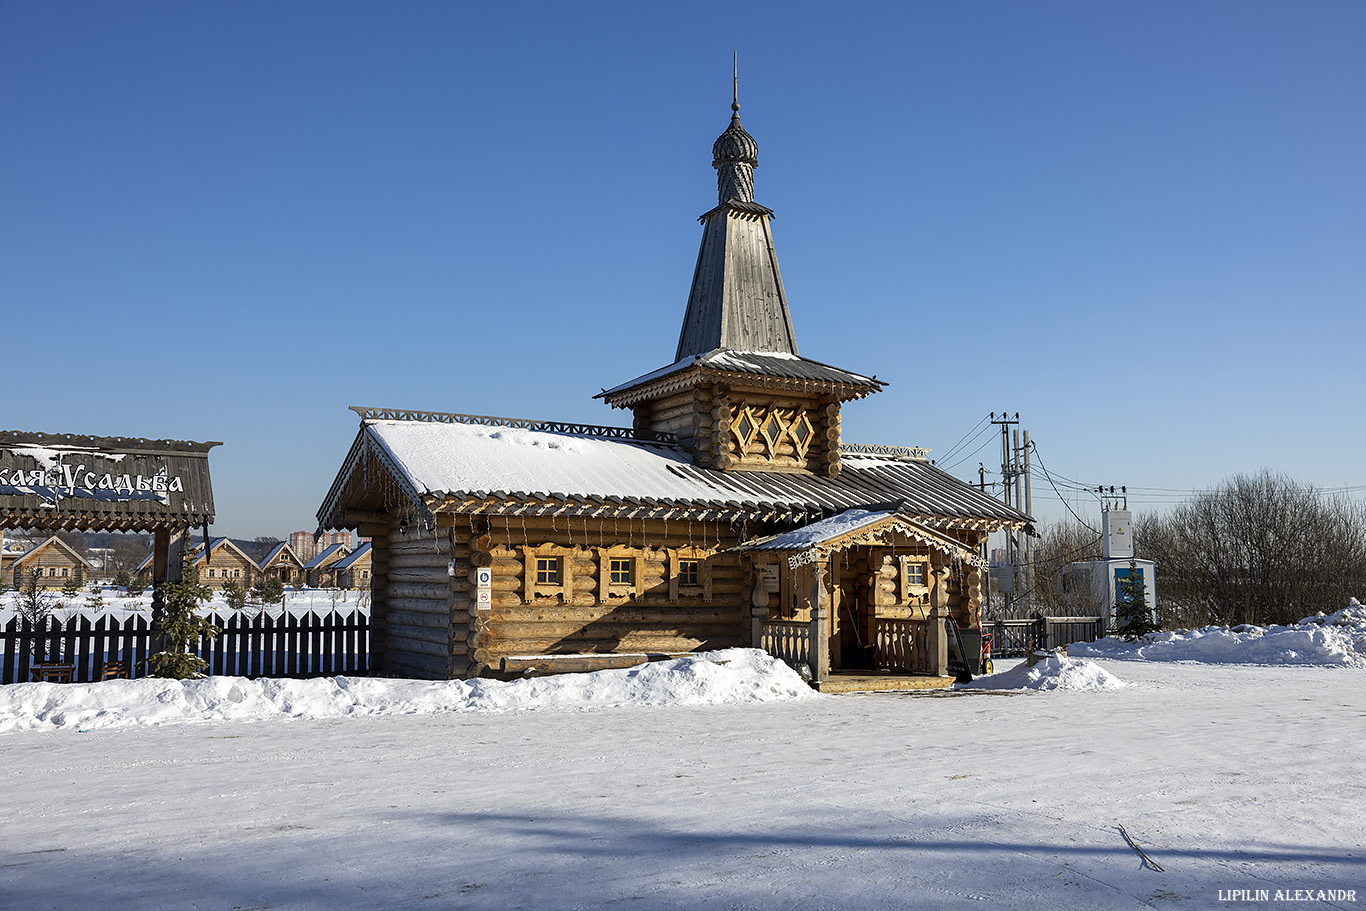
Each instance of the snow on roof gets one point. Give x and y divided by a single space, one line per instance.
850 520
437 459
447 458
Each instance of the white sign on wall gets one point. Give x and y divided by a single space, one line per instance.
483 577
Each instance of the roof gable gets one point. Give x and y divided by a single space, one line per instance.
280 553
329 556
359 555
51 543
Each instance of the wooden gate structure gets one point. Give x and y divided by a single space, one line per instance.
68 482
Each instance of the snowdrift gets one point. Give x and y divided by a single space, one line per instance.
728 677
1325 639
1051 673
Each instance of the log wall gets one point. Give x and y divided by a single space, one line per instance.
419 611
585 615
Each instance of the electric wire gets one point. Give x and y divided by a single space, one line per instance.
954 448
965 458
1044 468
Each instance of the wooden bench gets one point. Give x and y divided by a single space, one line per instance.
113 670
534 665
52 673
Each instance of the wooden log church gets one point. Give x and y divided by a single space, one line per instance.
730 513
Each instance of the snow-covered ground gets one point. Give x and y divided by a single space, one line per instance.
1326 639
691 786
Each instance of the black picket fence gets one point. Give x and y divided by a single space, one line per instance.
1014 638
81 651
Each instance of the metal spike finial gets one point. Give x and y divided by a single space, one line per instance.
735 83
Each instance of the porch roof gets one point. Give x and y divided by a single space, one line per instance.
855 527
823 532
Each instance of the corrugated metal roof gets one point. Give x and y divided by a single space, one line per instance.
448 460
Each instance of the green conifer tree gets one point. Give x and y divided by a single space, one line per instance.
1131 606
235 595
35 604
180 625
270 590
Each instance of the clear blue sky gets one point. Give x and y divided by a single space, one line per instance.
1141 226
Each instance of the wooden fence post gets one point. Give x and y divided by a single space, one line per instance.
938 635
820 624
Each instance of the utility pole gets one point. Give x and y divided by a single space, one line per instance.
1008 475
1030 552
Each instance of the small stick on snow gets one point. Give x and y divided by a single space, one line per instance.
1146 859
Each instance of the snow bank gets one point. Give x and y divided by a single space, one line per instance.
1051 673
727 677
1334 639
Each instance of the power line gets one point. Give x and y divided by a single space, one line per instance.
988 440
1044 469
954 448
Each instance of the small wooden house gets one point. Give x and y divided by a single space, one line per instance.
284 564
321 571
55 562
226 562
353 570
730 513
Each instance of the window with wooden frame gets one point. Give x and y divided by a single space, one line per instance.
915 580
547 570
618 572
546 573
689 574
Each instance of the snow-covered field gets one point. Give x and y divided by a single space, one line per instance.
693 784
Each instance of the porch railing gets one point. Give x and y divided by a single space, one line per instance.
788 640
903 645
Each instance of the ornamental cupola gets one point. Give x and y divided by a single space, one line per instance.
735 155
738 395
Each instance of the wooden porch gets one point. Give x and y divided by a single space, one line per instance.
879 682
910 655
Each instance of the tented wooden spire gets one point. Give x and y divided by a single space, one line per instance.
737 300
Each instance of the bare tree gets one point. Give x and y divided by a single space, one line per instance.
1258 549
1060 544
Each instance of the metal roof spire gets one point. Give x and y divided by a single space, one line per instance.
735 83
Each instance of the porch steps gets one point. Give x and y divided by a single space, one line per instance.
866 682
